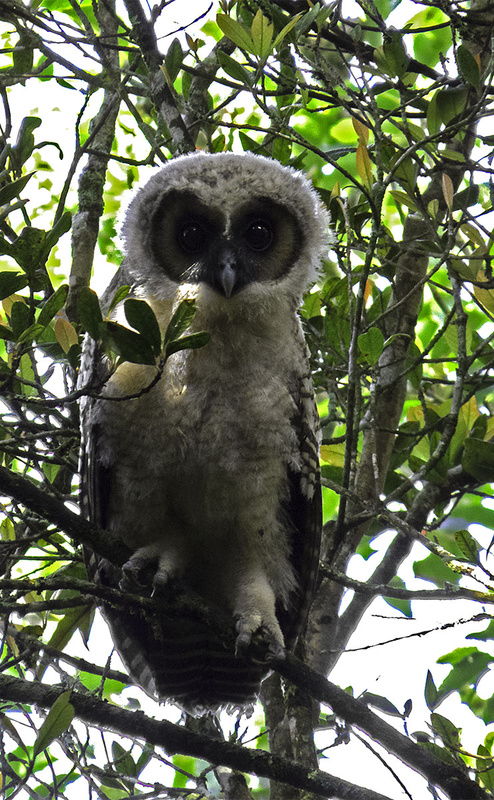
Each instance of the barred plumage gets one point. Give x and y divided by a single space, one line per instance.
212 477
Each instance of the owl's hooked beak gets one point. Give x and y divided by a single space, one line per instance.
228 274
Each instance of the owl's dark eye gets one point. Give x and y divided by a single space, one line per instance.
192 237
259 234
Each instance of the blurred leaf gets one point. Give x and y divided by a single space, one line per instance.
190 342
484 764
236 33
382 703
234 69
27 249
284 31
364 165
65 333
89 312
173 60
478 459
468 66
431 693
54 303
451 103
371 345
62 226
9 191
484 296
20 317
141 316
404 606
180 320
24 145
10 283
434 569
468 666
448 190
121 293
261 32
468 546
395 54
58 720
444 728
130 346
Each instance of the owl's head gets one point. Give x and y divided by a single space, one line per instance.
235 225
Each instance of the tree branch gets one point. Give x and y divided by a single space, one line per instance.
176 739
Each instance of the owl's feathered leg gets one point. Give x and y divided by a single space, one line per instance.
254 612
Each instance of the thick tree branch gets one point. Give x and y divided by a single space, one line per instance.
23 491
176 739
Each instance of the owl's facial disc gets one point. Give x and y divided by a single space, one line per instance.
193 242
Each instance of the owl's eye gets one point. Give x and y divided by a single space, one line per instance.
192 237
259 234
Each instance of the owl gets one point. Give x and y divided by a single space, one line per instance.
211 476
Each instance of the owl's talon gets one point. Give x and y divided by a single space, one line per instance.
137 573
261 645
161 581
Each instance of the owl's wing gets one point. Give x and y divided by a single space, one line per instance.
304 511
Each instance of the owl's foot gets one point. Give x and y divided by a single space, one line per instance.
161 581
262 642
137 574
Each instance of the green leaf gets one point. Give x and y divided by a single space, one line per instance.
371 345
121 293
7 726
404 606
468 666
58 720
468 66
191 342
123 760
65 334
382 703
431 693
434 569
173 60
141 316
262 35
11 190
251 146
180 320
451 103
89 312
438 752
24 145
395 54
54 303
234 69
433 116
286 30
20 318
468 546
62 226
444 728
10 283
27 249
130 346
236 33
485 767
478 459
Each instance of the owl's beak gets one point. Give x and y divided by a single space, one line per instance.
228 276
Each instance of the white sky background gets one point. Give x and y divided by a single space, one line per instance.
397 670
